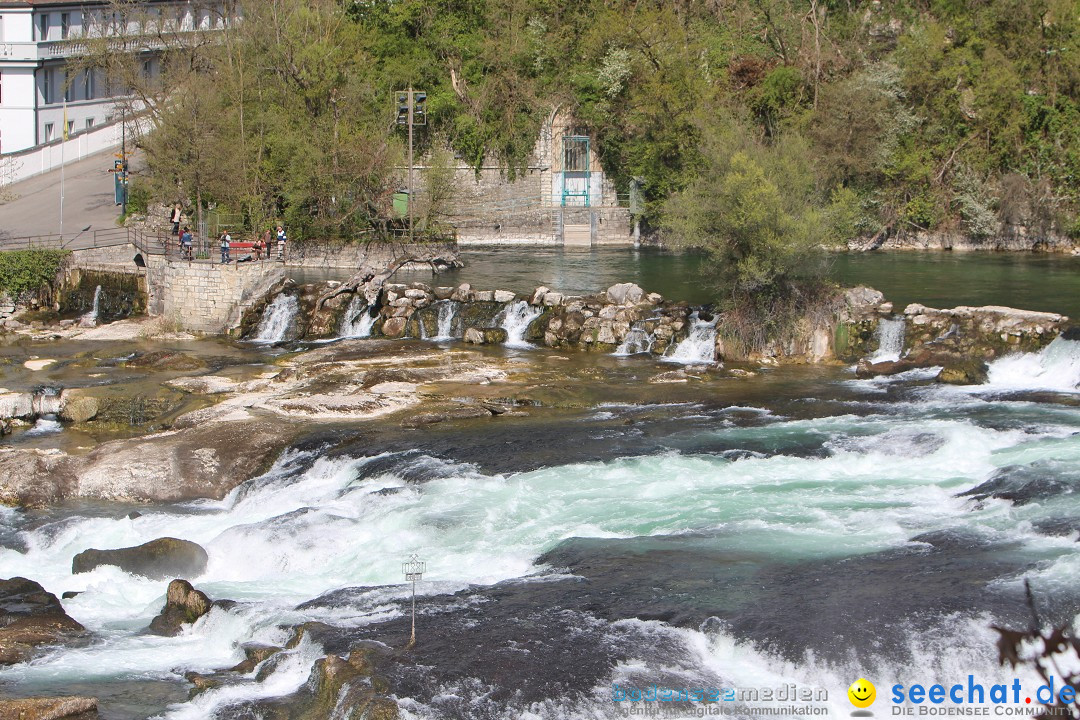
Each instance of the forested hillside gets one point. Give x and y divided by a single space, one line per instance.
933 113
958 115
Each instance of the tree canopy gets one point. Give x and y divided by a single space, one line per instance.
917 114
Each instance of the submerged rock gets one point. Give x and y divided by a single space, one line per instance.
158 559
254 654
183 605
485 336
61 708
970 372
338 687
29 617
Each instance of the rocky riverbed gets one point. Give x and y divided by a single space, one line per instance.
233 512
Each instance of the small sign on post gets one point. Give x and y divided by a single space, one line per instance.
413 569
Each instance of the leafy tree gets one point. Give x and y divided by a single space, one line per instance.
756 213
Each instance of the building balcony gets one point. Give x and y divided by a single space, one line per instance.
35 51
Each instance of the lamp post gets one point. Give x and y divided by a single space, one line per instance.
413 569
412 111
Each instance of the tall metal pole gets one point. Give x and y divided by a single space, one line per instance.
123 160
414 570
410 203
412 638
63 142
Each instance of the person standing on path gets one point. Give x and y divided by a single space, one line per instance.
225 242
177 214
281 240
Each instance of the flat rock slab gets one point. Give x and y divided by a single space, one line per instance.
69 708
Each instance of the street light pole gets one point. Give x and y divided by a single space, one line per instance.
410 203
411 110
123 159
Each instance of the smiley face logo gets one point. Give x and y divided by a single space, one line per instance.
862 693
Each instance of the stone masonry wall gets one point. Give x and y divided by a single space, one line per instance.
115 255
355 255
210 298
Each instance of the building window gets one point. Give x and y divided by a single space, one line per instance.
89 123
88 84
43 27
67 86
46 85
48 132
65 25
70 128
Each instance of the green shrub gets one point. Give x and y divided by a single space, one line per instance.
138 199
28 271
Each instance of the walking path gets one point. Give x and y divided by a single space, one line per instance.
88 200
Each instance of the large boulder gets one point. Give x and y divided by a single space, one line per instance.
625 294
77 408
967 372
29 617
35 478
394 327
59 708
183 605
538 295
157 559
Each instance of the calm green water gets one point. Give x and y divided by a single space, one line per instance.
938 279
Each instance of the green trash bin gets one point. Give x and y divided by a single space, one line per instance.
401 203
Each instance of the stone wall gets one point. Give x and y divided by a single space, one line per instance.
313 253
124 290
488 208
210 298
115 255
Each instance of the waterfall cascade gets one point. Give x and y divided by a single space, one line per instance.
447 311
516 317
638 340
277 319
357 320
46 403
1055 367
699 347
890 337
90 319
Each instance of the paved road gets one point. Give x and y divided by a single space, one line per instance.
88 200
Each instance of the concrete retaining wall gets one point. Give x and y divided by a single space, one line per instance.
203 297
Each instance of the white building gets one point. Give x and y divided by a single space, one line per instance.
39 40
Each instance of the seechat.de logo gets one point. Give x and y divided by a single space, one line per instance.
862 695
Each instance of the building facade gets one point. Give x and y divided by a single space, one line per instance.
40 48
562 197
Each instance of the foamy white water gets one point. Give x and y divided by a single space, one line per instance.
636 341
313 524
90 319
515 319
699 347
1055 367
447 312
357 321
277 319
890 337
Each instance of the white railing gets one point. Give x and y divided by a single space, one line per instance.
43 158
